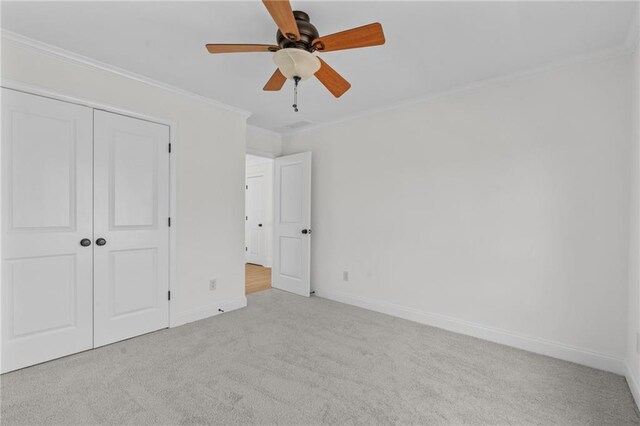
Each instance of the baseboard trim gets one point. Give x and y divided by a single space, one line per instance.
504 337
208 311
633 383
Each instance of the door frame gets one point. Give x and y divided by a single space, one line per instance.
32 89
272 157
268 186
247 176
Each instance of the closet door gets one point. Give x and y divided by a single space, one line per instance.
47 220
131 208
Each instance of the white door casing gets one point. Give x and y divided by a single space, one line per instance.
46 287
131 211
292 224
255 219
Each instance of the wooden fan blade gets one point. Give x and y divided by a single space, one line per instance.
332 80
280 11
365 36
241 48
276 82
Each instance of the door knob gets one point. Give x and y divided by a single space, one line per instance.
306 231
260 225
101 241
85 242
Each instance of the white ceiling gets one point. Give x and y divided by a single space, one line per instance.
431 46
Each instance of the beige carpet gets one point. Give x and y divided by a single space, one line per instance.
291 360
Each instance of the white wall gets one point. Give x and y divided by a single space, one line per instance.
633 357
210 167
500 212
263 142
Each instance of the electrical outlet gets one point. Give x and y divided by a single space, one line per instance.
212 284
345 276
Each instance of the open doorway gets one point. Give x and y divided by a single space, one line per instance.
258 223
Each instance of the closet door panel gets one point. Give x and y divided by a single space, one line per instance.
47 300
131 205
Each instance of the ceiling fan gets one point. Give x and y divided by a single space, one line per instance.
297 39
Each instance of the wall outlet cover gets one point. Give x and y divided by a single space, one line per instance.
212 284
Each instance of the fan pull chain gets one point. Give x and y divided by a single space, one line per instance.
295 94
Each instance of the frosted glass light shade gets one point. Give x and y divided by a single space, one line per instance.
296 63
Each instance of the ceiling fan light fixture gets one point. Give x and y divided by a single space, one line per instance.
296 63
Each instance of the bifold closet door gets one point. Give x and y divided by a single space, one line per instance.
131 233
47 219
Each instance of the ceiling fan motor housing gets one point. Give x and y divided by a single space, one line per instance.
308 33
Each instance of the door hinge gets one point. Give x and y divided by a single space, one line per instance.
246 187
169 147
169 295
169 222
246 249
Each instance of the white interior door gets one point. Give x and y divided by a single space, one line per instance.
131 205
47 295
255 247
292 218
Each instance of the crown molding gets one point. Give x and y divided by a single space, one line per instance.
559 65
631 44
90 63
263 131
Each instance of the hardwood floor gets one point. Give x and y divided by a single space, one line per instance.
257 278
